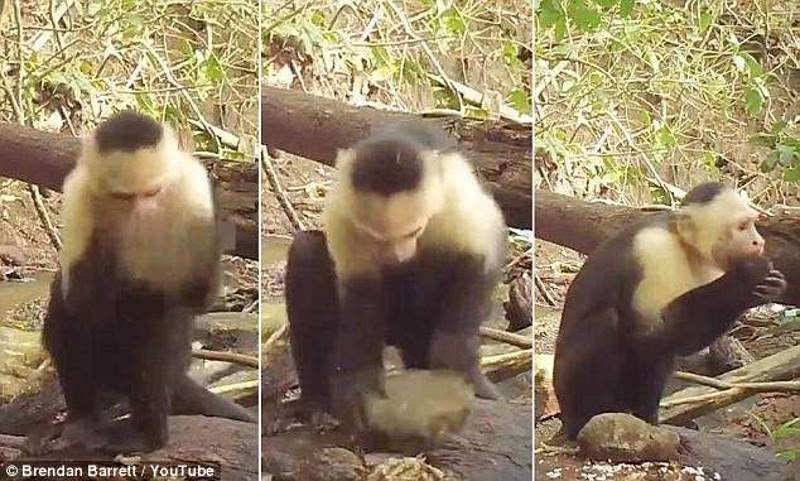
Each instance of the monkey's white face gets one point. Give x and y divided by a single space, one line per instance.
131 184
390 227
725 229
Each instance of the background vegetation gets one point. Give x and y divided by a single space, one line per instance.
636 97
403 54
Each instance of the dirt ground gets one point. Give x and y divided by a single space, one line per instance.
750 421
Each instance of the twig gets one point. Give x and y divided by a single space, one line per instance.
507 337
474 97
238 386
751 386
232 357
277 189
226 138
273 339
41 210
548 298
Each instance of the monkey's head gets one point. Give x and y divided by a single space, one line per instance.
129 159
391 184
719 224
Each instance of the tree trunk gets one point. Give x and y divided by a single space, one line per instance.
316 127
45 158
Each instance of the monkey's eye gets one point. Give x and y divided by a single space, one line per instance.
126 196
743 226
152 192
413 234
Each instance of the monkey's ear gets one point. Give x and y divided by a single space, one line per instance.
684 224
344 157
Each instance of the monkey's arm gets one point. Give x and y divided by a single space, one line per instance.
87 290
694 320
358 349
465 304
201 290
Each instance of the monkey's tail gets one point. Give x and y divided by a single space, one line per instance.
188 397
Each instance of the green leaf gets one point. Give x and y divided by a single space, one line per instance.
550 13
705 20
665 138
792 175
786 154
519 99
586 17
754 99
318 18
453 22
606 4
626 7
710 160
789 429
789 456
211 70
511 54
770 162
778 127
753 67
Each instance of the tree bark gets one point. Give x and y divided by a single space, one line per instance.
316 127
582 226
45 158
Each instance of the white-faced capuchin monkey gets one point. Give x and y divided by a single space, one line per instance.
665 287
140 259
411 252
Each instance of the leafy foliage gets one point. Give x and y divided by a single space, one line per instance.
788 430
637 98
189 63
406 54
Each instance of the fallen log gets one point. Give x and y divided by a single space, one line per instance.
316 127
687 404
45 158
582 226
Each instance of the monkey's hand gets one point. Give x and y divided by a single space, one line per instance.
771 287
458 351
768 284
348 394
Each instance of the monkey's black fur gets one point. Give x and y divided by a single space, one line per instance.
389 161
112 335
604 361
127 131
703 193
430 309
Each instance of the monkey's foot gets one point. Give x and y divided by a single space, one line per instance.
61 436
37 441
124 437
485 389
